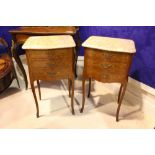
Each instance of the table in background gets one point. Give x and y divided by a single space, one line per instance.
7 70
20 35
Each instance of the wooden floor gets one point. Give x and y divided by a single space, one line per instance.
17 107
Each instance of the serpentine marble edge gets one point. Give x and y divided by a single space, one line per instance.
49 42
110 44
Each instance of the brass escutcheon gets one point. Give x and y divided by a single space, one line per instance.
105 66
104 76
51 64
53 73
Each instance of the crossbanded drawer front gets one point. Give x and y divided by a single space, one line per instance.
98 55
51 74
107 67
50 54
106 77
51 64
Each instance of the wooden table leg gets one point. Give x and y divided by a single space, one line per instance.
78 44
38 85
15 75
19 63
14 71
35 98
72 97
89 89
75 61
83 92
69 87
120 100
119 94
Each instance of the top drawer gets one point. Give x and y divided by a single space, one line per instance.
50 54
107 56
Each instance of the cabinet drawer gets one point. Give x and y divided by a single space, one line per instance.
107 67
53 64
50 54
51 74
99 56
109 77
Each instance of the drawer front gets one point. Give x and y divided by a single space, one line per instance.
107 67
99 55
51 64
51 74
50 54
109 77
107 74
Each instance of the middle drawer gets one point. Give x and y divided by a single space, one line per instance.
106 67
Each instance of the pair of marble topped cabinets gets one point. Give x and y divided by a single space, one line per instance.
105 59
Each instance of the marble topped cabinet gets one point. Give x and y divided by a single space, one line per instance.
50 58
107 60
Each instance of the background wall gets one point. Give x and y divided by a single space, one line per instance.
143 67
5 34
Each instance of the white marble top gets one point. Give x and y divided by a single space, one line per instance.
49 42
110 44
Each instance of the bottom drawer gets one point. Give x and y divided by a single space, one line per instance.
51 75
109 77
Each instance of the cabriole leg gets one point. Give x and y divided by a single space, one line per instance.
120 101
83 92
35 98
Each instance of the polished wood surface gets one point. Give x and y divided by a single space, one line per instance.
107 67
6 72
51 64
45 29
21 34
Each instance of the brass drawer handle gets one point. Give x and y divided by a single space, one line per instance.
105 66
51 64
105 76
53 74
